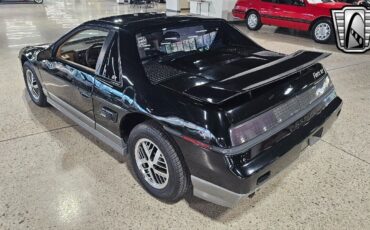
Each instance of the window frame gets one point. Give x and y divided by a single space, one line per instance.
114 36
278 2
62 40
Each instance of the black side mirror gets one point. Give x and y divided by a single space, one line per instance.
44 55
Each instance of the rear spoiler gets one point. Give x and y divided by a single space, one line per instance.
274 71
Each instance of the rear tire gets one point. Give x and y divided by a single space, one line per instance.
253 20
322 31
33 85
157 162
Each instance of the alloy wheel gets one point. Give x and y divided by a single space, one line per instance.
32 85
322 31
252 20
151 163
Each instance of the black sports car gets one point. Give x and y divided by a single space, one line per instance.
196 105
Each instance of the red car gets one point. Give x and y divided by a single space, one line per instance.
306 15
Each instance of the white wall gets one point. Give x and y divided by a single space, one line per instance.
217 9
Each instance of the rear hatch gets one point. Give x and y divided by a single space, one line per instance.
219 77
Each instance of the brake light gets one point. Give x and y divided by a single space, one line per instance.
270 119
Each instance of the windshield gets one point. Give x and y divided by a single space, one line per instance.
185 40
319 1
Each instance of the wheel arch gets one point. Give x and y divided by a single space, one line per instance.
23 59
128 123
131 120
319 19
250 10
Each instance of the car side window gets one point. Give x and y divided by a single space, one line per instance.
83 48
112 68
292 2
270 1
287 2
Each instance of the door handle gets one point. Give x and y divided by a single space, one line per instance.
109 114
85 94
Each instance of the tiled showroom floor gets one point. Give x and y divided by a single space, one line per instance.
55 175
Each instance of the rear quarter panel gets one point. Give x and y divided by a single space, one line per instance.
242 6
316 13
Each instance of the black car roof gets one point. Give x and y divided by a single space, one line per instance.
135 22
125 19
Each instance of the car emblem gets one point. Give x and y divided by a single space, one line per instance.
352 28
318 73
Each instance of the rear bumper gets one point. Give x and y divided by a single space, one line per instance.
216 180
214 193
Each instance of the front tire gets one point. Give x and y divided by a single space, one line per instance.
33 85
322 31
157 162
253 21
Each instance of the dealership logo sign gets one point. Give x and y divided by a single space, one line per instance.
352 29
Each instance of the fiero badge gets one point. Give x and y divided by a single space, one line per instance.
318 73
352 28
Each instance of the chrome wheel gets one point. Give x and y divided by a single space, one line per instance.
252 21
32 85
322 31
151 163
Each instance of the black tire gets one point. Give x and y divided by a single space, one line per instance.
178 181
255 26
41 99
326 23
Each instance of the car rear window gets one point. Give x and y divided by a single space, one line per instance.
185 39
176 40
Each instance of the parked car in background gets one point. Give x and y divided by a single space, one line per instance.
35 1
365 3
306 15
197 105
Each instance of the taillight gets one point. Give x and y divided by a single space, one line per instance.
269 120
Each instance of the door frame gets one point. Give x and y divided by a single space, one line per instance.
90 121
73 32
